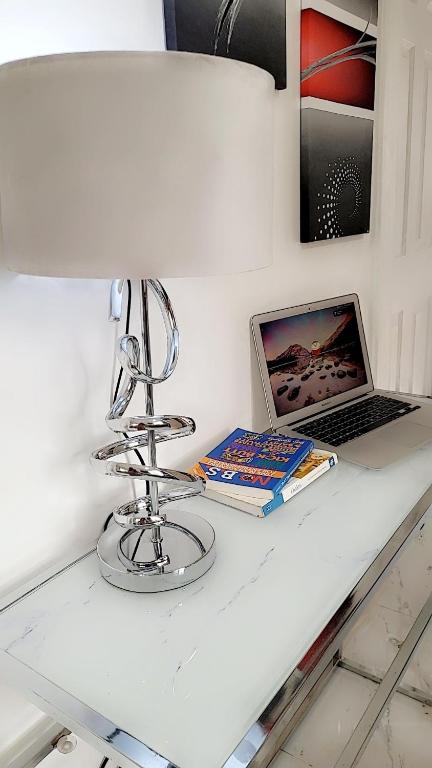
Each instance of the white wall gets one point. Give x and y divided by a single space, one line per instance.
57 346
40 27
403 273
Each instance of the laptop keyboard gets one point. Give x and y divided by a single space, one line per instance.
356 420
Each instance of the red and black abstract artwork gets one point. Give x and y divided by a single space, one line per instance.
338 61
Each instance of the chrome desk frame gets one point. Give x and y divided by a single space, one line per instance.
288 706
304 685
36 746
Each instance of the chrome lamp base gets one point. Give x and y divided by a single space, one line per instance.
146 549
188 553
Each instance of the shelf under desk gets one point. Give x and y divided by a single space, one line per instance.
213 674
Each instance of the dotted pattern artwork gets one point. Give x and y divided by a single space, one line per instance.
335 174
340 198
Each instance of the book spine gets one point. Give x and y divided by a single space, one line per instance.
258 510
293 489
296 461
272 505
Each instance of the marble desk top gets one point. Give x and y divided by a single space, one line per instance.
188 672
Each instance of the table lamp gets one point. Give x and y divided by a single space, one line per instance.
138 166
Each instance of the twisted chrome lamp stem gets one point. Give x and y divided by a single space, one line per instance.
179 549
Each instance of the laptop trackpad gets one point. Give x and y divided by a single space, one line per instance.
378 449
406 433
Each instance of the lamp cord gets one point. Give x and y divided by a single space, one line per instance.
104 762
116 391
127 328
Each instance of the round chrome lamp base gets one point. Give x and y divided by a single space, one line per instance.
187 551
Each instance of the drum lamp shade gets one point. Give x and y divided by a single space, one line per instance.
135 165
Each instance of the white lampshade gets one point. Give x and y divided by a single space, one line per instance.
135 165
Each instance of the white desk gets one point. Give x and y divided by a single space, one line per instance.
183 678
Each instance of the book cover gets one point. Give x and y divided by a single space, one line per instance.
253 464
316 464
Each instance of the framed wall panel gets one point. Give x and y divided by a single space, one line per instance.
338 58
253 31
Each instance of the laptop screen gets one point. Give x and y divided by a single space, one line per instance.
313 356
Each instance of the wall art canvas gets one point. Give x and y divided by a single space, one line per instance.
338 62
253 31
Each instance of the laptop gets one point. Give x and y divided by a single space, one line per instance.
318 384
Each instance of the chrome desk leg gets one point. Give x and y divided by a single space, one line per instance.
365 729
406 690
37 745
276 722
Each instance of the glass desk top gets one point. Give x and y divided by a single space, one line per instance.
179 678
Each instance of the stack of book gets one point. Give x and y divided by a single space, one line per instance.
257 473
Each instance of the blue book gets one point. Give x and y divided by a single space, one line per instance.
253 464
316 464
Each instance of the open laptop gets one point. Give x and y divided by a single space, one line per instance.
318 384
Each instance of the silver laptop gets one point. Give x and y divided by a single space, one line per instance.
318 384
